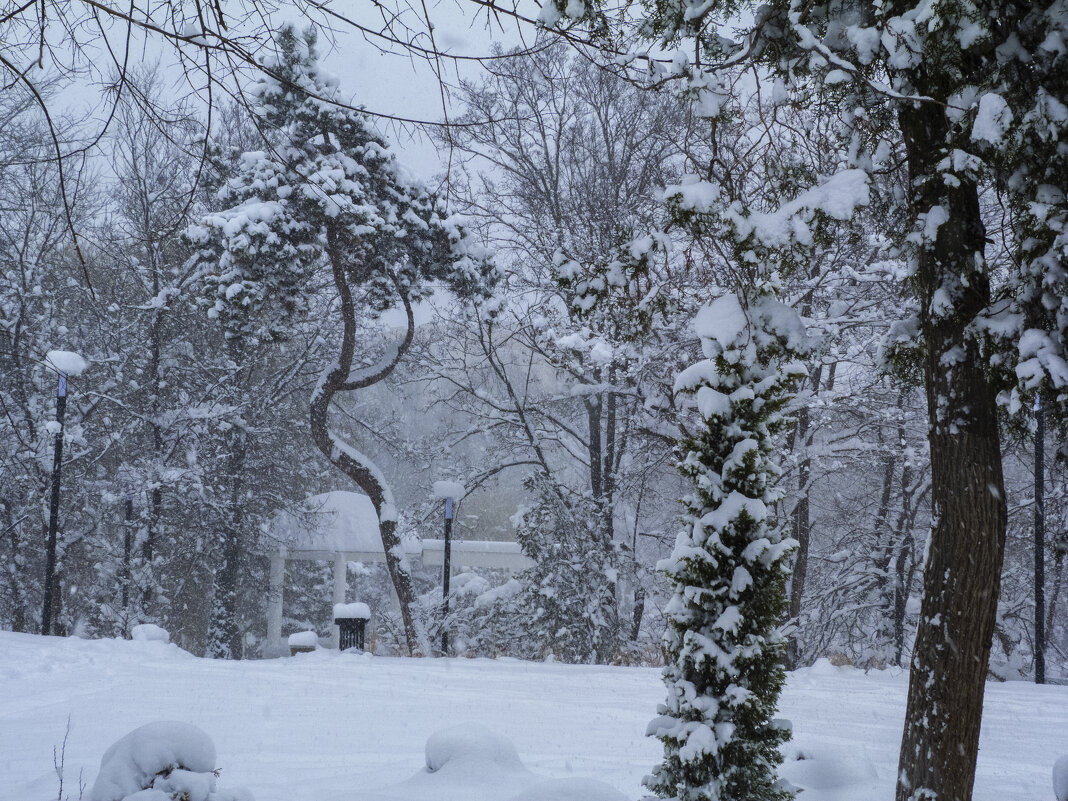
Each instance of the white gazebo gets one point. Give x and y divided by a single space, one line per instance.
342 527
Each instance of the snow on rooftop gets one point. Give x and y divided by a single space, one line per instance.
303 639
473 546
332 521
357 610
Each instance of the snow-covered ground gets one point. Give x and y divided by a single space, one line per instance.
326 727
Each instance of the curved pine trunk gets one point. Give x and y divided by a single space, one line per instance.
360 469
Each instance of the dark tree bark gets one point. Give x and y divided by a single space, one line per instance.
962 578
225 639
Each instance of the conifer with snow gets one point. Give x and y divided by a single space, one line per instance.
567 606
327 202
729 565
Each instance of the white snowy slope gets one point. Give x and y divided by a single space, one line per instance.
330 727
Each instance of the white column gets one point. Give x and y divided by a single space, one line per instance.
340 585
275 590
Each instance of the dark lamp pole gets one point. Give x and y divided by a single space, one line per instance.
1040 545
127 548
446 569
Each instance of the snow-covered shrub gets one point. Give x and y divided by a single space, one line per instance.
563 607
470 741
567 604
1060 779
162 761
149 632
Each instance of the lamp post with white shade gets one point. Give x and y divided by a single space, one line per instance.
452 492
66 364
1040 545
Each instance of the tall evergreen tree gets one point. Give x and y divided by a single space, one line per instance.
729 566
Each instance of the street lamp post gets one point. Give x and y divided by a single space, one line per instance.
65 363
451 492
446 569
53 508
1040 544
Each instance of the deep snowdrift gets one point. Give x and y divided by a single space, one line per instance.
350 727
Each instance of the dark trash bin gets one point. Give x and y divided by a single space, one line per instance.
351 620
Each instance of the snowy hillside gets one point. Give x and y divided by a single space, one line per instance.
328 727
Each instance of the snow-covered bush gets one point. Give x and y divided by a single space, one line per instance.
162 761
563 607
149 632
1060 778
470 741
567 604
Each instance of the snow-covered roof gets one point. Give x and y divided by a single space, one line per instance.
345 522
332 521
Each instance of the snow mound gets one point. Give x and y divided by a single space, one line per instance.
1060 778
133 762
304 639
149 632
824 667
828 773
353 610
467 762
576 789
470 742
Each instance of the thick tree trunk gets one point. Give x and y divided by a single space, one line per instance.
1054 598
225 639
802 527
963 572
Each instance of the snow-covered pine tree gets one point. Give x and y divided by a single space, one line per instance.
729 565
328 200
567 606
1020 128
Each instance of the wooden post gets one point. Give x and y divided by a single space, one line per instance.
340 585
275 590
